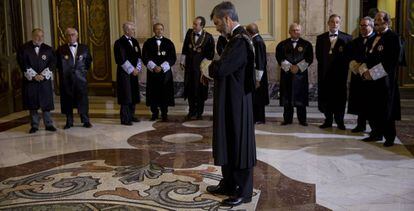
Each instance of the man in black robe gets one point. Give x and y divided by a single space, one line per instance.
128 59
221 44
294 56
234 147
380 72
332 73
73 62
198 45
159 56
358 50
261 94
37 62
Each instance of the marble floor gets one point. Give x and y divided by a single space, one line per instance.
167 165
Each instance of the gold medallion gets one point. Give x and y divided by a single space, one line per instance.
380 48
44 57
66 57
300 49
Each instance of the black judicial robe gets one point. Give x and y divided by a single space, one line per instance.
160 87
195 53
357 91
37 94
73 78
233 126
127 84
261 94
384 95
221 44
332 72
294 88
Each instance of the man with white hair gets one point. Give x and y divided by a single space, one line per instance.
294 56
73 63
37 62
128 59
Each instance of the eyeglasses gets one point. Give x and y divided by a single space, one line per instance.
364 25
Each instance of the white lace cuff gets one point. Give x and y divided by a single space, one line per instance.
377 72
362 69
286 65
204 68
47 73
139 65
127 66
165 66
303 65
29 74
151 65
259 75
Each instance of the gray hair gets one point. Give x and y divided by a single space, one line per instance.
127 24
223 9
293 25
370 21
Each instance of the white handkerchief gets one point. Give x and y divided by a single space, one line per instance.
29 74
286 65
377 72
204 67
47 73
303 65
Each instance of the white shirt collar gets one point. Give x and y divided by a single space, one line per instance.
369 34
255 35
234 29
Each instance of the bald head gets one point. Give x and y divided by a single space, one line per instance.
252 29
37 36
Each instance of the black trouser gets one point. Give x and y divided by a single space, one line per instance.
35 118
288 113
382 127
339 117
127 113
155 111
361 121
69 118
238 181
196 105
259 113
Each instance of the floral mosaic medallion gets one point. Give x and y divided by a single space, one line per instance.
95 185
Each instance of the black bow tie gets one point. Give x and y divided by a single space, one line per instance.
333 35
197 35
37 46
294 41
73 46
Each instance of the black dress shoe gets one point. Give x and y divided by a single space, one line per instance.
325 125
388 143
50 128
358 129
33 130
153 118
218 189
87 125
285 123
164 119
126 123
372 139
189 116
303 123
234 201
67 126
134 119
341 127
